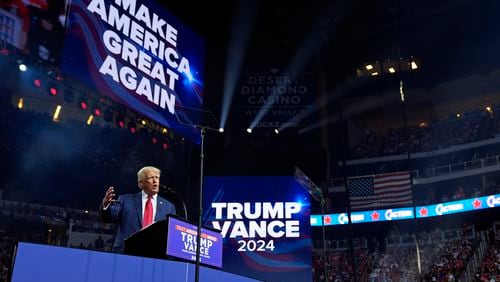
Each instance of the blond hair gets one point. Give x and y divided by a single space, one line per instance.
142 172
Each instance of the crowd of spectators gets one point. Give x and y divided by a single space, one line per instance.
34 223
9 236
443 256
490 266
339 266
448 260
450 193
471 127
40 153
455 190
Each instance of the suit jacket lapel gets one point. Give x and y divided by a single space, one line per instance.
138 207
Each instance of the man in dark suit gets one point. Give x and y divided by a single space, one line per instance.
135 211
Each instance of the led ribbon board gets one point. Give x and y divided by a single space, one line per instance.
485 202
265 225
466 205
140 56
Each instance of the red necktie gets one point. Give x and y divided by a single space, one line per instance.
148 212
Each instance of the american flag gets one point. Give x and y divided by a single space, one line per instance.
381 190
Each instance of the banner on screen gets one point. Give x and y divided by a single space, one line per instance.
265 223
139 55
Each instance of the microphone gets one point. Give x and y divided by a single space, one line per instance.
179 196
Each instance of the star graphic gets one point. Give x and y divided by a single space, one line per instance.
424 212
375 215
477 203
328 219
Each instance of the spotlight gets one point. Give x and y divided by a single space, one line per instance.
90 119
413 65
51 88
131 128
221 129
53 91
119 122
20 103
276 131
369 69
82 103
249 130
164 131
57 112
22 67
97 111
390 66
37 82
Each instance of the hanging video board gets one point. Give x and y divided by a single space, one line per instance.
139 55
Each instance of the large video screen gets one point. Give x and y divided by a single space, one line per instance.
139 55
265 223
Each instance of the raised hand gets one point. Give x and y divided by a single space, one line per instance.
109 197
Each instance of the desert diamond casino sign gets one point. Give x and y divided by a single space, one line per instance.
265 225
140 56
287 97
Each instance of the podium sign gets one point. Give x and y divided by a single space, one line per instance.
182 238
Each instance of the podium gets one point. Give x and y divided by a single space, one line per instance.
175 239
149 242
